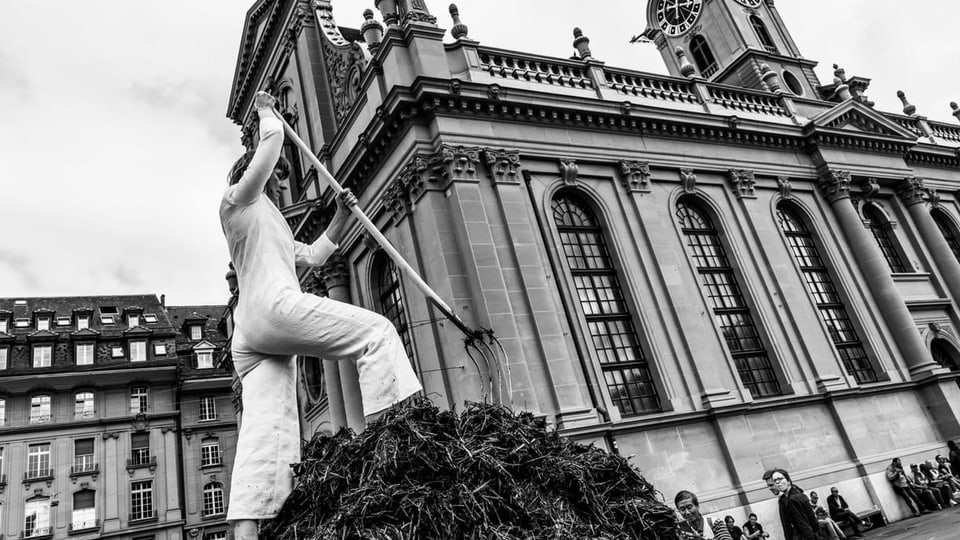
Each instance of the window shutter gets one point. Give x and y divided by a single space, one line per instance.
140 440
83 447
84 499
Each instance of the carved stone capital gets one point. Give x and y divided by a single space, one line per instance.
742 182
634 175
911 190
783 184
688 180
503 166
569 171
458 162
835 185
335 273
313 284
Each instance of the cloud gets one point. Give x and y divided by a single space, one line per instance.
19 269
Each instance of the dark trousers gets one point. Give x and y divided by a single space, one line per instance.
846 515
908 497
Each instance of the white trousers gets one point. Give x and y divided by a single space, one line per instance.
269 439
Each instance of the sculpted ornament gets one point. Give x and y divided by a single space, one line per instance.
835 185
870 189
742 182
569 171
635 175
503 166
688 180
783 184
910 190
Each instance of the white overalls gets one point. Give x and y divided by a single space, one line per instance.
273 322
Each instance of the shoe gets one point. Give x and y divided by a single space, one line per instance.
858 535
924 512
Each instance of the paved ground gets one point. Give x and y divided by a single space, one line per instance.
943 525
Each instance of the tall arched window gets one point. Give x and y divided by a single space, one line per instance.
213 499
625 370
730 311
389 297
948 231
880 229
762 34
703 56
829 304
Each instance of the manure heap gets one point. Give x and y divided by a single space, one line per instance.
419 472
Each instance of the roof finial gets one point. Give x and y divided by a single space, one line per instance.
771 78
372 31
686 68
388 10
956 109
908 109
839 75
581 43
459 29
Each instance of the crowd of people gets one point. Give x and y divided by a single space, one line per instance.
928 487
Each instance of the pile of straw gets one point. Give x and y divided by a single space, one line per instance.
487 473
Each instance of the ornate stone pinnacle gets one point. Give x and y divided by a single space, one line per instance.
686 68
372 31
581 43
908 109
956 109
770 77
459 29
839 75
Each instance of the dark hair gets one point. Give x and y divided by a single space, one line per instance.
683 495
953 446
767 474
728 518
240 167
752 515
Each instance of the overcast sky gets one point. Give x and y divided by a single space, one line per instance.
114 142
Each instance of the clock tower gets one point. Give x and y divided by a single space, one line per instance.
728 41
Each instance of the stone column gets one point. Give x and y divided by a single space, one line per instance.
911 192
113 467
343 391
835 186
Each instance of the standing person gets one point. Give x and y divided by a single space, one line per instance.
753 530
689 507
954 457
274 321
796 514
736 533
898 481
840 510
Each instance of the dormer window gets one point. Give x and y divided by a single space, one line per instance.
196 332
42 355
4 325
205 359
138 351
150 318
133 320
43 322
83 321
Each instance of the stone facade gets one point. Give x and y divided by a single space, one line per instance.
698 275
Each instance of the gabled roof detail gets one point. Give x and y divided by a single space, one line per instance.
855 117
203 345
85 333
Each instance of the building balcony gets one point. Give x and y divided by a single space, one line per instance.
38 532
84 415
41 419
85 468
38 476
141 463
142 517
78 527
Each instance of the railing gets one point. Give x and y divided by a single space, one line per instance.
83 415
143 516
38 532
710 70
944 131
650 87
746 101
87 525
40 418
84 468
42 474
911 124
543 71
148 461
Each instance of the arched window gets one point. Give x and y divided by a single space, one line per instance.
389 297
84 510
609 322
762 34
829 304
703 56
730 311
948 231
213 499
880 228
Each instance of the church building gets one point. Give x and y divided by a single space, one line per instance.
719 271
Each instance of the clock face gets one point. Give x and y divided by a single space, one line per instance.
750 3
675 17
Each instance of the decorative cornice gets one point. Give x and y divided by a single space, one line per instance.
688 180
635 175
569 171
835 185
742 182
503 166
911 191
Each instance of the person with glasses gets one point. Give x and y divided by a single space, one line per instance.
796 514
